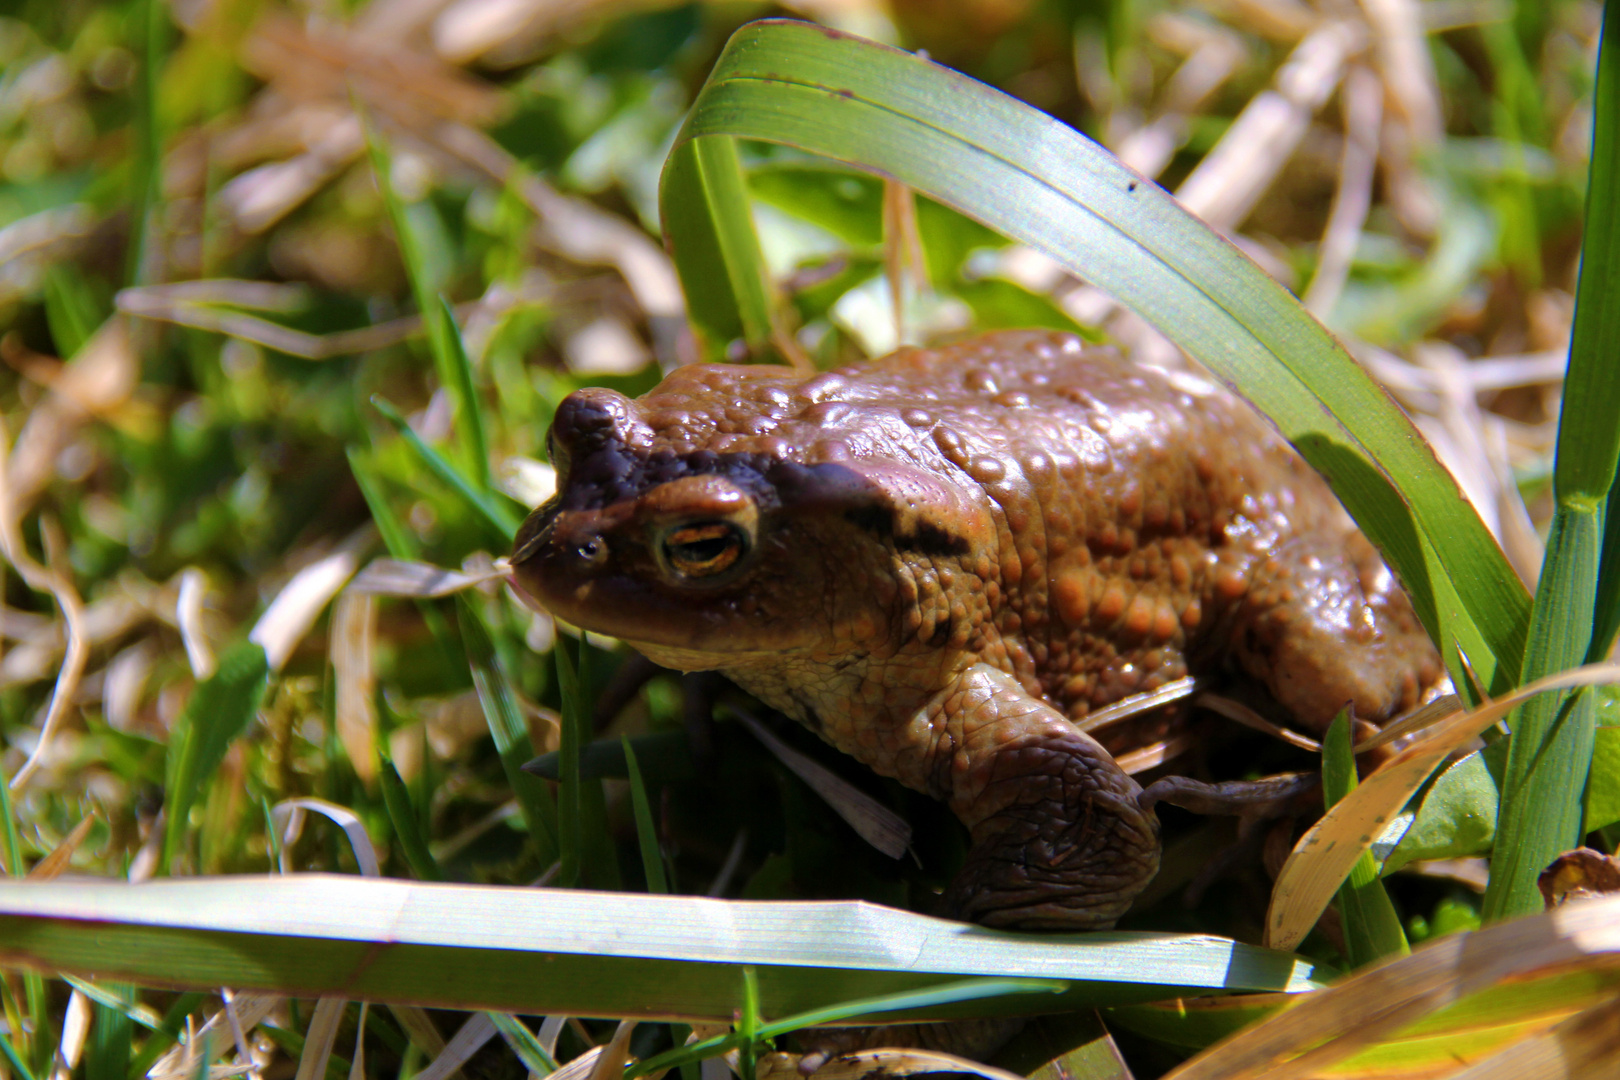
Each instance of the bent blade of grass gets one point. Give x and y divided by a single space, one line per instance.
1041 182
707 223
1574 619
601 954
1328 851
1396 999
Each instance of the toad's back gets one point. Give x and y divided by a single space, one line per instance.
1132 506
936 558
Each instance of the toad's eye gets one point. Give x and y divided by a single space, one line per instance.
702 549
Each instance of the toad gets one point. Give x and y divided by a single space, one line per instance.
942 559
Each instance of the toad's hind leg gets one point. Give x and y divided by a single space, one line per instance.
1324 625
1060 841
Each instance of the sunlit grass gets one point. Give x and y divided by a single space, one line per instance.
438 317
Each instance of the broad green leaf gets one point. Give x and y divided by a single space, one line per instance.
1603 783
846 203
1039 181
1371 928
219 711
1458 815
533 951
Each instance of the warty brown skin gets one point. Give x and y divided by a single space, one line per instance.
938 559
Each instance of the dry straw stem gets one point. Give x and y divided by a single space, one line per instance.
50 580
1363 101
477 1030
419 580
1324 855
353 652
876 823
616 1054
1582 1046
300 602
1232 177
1377 1003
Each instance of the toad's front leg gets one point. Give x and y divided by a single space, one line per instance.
1060 841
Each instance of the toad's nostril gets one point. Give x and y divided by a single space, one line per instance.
592 551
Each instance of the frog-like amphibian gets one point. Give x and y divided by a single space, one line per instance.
938 559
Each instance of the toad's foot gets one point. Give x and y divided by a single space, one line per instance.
1060 841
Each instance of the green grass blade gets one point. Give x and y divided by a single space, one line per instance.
470 417
394 535
1590 389
510 733
1550 752
541 951
148 163
966 990
748 1025
523 1043
12 850
219 711
70 313
1543 790
423 288
407 826
10 1052
652 855
399 543
1371 929
492 506
568 780
108 1052
1588 437
1041 182
703 202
